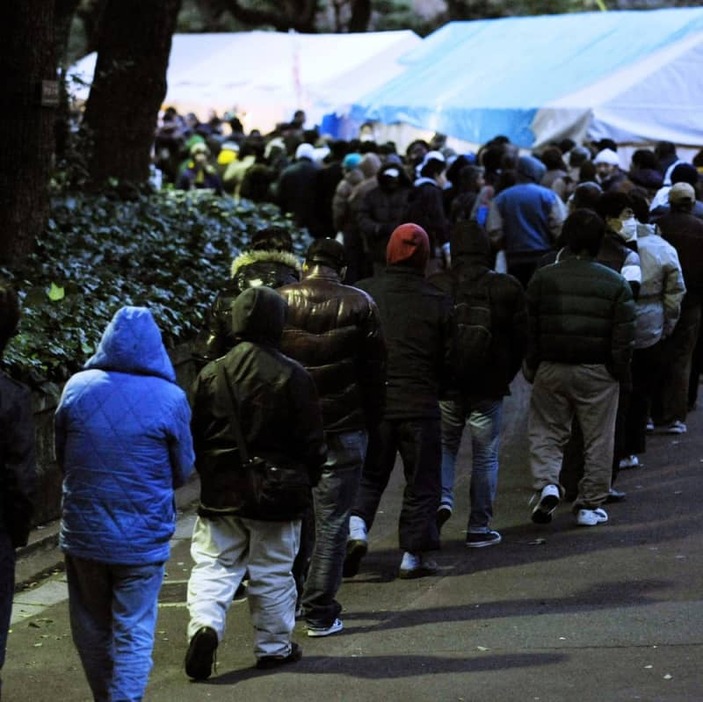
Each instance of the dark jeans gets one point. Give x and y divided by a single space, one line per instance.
646 371
672 400
333 496
419 443
7 590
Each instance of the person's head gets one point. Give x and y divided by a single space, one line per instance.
616 209
271 239
583 232
469 241
434 166
329 253
471 178
351 161
640 204
391 177
408 245
9 314
578 156
682 197
259 315
199 153
585 196
685 173
606 162
606 144
305 151
664 151
553 159
530 169
644 158
416 151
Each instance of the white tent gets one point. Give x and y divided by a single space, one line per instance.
265 76
633 76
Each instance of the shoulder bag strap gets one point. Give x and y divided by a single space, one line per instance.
234 414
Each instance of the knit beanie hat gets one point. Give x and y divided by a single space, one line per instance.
410 245
531 168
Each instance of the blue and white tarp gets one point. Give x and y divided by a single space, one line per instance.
634 76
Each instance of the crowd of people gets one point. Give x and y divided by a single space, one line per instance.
432 279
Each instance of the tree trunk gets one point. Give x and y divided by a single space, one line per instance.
27 127
129 87
360 15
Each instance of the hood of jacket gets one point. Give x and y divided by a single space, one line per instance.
392 175
370 164
259 315
132 344
247 258
469 242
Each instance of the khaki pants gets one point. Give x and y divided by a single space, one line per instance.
560 392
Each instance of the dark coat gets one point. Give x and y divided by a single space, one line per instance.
17 461
252 268
278 407
416 323
580 312
297 192
684 232
334 330
470 261
426 208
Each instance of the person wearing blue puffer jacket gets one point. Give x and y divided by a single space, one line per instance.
123 443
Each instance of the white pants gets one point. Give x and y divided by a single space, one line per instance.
223 550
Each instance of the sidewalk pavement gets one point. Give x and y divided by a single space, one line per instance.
553 613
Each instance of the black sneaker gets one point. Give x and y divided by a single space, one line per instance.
268 662
443 514
201 654
482 538
356 550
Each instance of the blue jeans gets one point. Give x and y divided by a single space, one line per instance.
484 418
333 498
113 611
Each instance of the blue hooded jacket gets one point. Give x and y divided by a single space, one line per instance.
123 442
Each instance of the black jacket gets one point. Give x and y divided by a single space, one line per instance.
17 461
278 407
334 330
470 261
416 323
249 269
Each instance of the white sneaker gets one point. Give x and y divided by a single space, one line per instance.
591 517
357 529
629 462
333 628
547 502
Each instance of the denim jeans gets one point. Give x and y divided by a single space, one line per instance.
333 497
484 419
7 590
113 610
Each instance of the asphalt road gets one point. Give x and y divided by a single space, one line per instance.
553 613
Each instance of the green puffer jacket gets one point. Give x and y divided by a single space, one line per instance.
580 312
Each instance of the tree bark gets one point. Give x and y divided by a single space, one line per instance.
360 15
27 126
282 16
129 87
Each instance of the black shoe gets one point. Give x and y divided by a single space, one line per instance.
268 662
201 654
241 594
356 550
443 514
615 496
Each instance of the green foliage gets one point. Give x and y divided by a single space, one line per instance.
169 251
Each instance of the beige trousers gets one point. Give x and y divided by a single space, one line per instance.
561 391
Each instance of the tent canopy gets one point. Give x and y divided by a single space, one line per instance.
265 76
634 76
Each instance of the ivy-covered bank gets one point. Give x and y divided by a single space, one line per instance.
169 251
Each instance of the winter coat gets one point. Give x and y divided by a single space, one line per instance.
341 211
334 331
416 323
17 459
580 312
381 210
123 443
278 408
684 232
426 208
297 189
658 304
249 269
470 262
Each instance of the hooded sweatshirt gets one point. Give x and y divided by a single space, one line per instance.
123 443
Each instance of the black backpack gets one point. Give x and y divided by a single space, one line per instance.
473 336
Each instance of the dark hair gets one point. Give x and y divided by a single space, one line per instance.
684 173
433 168
606 144
611 204
640 204
586 195
565 145
271 239
9 314
644 158
583 230
552 158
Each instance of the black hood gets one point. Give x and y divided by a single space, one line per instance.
386 180
258 315
470 243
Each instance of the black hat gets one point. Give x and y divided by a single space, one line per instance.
327 252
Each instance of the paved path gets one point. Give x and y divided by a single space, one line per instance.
552 614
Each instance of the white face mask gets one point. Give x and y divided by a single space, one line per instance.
629 229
